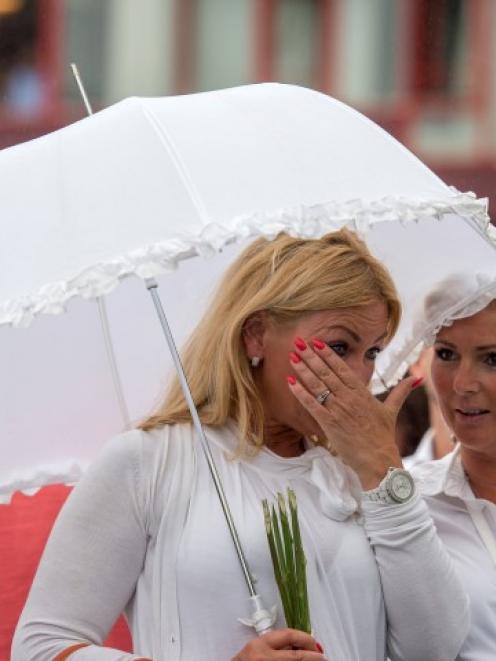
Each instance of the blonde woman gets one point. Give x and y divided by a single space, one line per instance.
279 369
460 489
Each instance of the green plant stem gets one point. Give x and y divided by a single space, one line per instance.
288 559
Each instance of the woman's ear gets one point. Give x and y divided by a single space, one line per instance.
253 334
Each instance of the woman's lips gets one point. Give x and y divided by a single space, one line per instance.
470 416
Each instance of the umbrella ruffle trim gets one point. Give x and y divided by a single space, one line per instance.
464 304
30 482
302 221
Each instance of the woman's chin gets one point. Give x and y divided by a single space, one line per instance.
475 438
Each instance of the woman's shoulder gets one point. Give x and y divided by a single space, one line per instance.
157 465
151 446
431 474
146 455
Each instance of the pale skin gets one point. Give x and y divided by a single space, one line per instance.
277 646
464 377
360 428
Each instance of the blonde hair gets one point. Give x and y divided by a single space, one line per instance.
286 278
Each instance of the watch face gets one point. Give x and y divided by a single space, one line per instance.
401 486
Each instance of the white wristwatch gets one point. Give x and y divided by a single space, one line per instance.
396 487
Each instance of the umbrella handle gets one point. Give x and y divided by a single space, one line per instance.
261 620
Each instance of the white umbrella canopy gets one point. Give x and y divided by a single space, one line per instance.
148 184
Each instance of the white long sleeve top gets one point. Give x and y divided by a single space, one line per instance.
450 498
143 532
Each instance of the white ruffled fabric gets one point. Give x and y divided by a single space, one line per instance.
458 292
305 221
32 481
457 297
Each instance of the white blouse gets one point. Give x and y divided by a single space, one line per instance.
450 498
143 532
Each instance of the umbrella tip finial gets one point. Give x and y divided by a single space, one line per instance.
79 83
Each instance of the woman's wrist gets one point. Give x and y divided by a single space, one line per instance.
371 476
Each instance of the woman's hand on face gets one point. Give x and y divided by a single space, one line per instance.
360 428
279 646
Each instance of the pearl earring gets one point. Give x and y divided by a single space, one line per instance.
255 361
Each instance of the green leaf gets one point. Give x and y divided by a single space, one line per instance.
300 565
284 579
288 559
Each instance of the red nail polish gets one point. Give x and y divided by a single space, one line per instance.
319 648
294 357
417 382
318 344
291 380
300 344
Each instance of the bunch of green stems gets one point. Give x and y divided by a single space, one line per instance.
288 559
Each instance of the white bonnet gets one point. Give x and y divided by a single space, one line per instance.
459 296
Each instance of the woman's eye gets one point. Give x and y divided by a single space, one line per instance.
490 359
338 347
373 353
445 354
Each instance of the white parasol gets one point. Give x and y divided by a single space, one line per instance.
140 189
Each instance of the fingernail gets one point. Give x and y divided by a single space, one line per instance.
318 344
291 380
300 344
417 382
294 357
319 648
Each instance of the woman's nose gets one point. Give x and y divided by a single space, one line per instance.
465 380
363 369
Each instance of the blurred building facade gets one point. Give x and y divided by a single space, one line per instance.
423 69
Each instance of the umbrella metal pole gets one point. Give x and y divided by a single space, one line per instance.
114 370
262 619
102 308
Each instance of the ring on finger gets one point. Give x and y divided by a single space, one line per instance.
321 397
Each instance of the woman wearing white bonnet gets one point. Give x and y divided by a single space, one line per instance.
460 489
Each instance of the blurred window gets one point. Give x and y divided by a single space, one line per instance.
441 42
296 47
85 27
21 90
293 42
212 44
222 43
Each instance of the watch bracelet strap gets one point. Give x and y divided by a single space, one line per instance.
380 493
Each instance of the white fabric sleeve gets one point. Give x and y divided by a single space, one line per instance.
426 606
91 562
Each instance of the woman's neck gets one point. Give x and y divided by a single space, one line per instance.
283 441
480 470
442 438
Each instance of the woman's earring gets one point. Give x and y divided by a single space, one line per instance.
255 361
